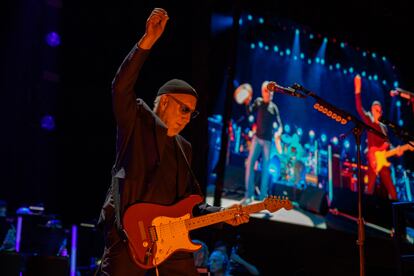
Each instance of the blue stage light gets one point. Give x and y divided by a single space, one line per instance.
342 45
48 122
364 74
347 144
398 103
53 39
288 52
261 20
252 46
275 48
249 17
287 128
324 138
260 43
302 55
400 122
337 65
395 84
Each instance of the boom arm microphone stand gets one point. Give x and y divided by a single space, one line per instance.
344 117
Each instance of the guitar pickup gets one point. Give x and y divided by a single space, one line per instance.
153 234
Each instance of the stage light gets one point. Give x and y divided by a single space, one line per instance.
302 55
337 65
324 138
53 39
47 122
311 133
249 17
295 57
281 53
261 20
335 140
266 48
370 77
299 131
240 21
375 77
287 128
260 44
364 54
252 46
275 48
374 55
384 82
351 70
347 144
327 110
363 74
398 103
309 61
325 40
400 122
317 59
311 36
288 52
345 71
330 67
342 45
322 61
384 58
297 31
395 84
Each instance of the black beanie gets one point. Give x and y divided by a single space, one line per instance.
176 86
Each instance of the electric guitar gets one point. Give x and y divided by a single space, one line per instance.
155 232
380 156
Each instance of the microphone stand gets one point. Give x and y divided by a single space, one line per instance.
359 127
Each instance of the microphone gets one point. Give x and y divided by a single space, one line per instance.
274 87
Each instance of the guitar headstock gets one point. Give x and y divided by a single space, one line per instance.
274 203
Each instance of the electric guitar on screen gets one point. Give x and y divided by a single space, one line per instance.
379 157
156 231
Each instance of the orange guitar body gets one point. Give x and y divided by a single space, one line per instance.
155 231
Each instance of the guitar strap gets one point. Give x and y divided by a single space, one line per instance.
195 182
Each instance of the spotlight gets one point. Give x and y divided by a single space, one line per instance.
331 113
47 122
53 39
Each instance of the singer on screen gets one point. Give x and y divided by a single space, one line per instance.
266 114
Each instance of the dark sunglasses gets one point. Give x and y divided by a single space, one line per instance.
184 108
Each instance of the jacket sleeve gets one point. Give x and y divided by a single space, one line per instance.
123 95
361 111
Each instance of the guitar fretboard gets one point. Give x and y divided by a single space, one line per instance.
202 221
395 150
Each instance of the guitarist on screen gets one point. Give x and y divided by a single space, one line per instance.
376 144
153 167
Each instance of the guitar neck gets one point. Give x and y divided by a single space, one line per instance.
206 220
395 150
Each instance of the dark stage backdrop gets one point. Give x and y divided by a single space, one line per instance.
68 169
